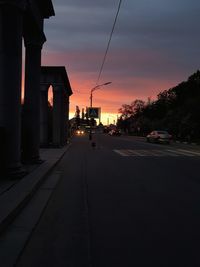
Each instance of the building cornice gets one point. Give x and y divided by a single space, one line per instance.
58 71
21 4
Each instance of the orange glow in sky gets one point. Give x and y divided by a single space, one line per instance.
109 97
150 51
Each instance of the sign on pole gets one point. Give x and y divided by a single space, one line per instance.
94 112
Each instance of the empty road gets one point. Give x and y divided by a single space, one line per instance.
123 203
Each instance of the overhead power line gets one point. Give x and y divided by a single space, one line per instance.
109 41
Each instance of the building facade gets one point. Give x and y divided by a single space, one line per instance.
20 20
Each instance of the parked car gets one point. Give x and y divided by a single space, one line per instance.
114 132
159 137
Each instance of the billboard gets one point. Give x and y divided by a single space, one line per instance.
94 112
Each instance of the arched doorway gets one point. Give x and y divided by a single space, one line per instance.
54 111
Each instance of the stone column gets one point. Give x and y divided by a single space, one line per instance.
44 116
63 121
57 117
67 129
31 123
65 118
11 16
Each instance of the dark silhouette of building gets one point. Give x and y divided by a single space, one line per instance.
54 129
21 19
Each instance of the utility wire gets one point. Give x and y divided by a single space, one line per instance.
108 45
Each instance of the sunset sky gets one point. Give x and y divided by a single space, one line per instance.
155 46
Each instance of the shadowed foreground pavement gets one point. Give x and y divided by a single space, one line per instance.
109 210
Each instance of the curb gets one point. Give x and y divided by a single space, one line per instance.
13 200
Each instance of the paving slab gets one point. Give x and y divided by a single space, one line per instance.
14 239
16 195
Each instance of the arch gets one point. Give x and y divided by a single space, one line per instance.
54 128
50 96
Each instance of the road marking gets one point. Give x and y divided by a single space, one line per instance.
140 153
124 154
188 151
181 153
161 153
156 153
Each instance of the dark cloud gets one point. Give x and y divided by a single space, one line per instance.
153 39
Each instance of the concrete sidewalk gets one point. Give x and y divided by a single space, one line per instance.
15 194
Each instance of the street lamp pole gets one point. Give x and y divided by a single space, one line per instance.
91 97
94 89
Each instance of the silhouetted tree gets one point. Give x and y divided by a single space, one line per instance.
176 110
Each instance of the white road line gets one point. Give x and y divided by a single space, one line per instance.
120 152
129 152
189 151
140 153
181 153
155 153
148 153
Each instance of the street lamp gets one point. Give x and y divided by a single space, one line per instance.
94 89
91 96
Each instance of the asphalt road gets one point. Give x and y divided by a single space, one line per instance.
123 203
